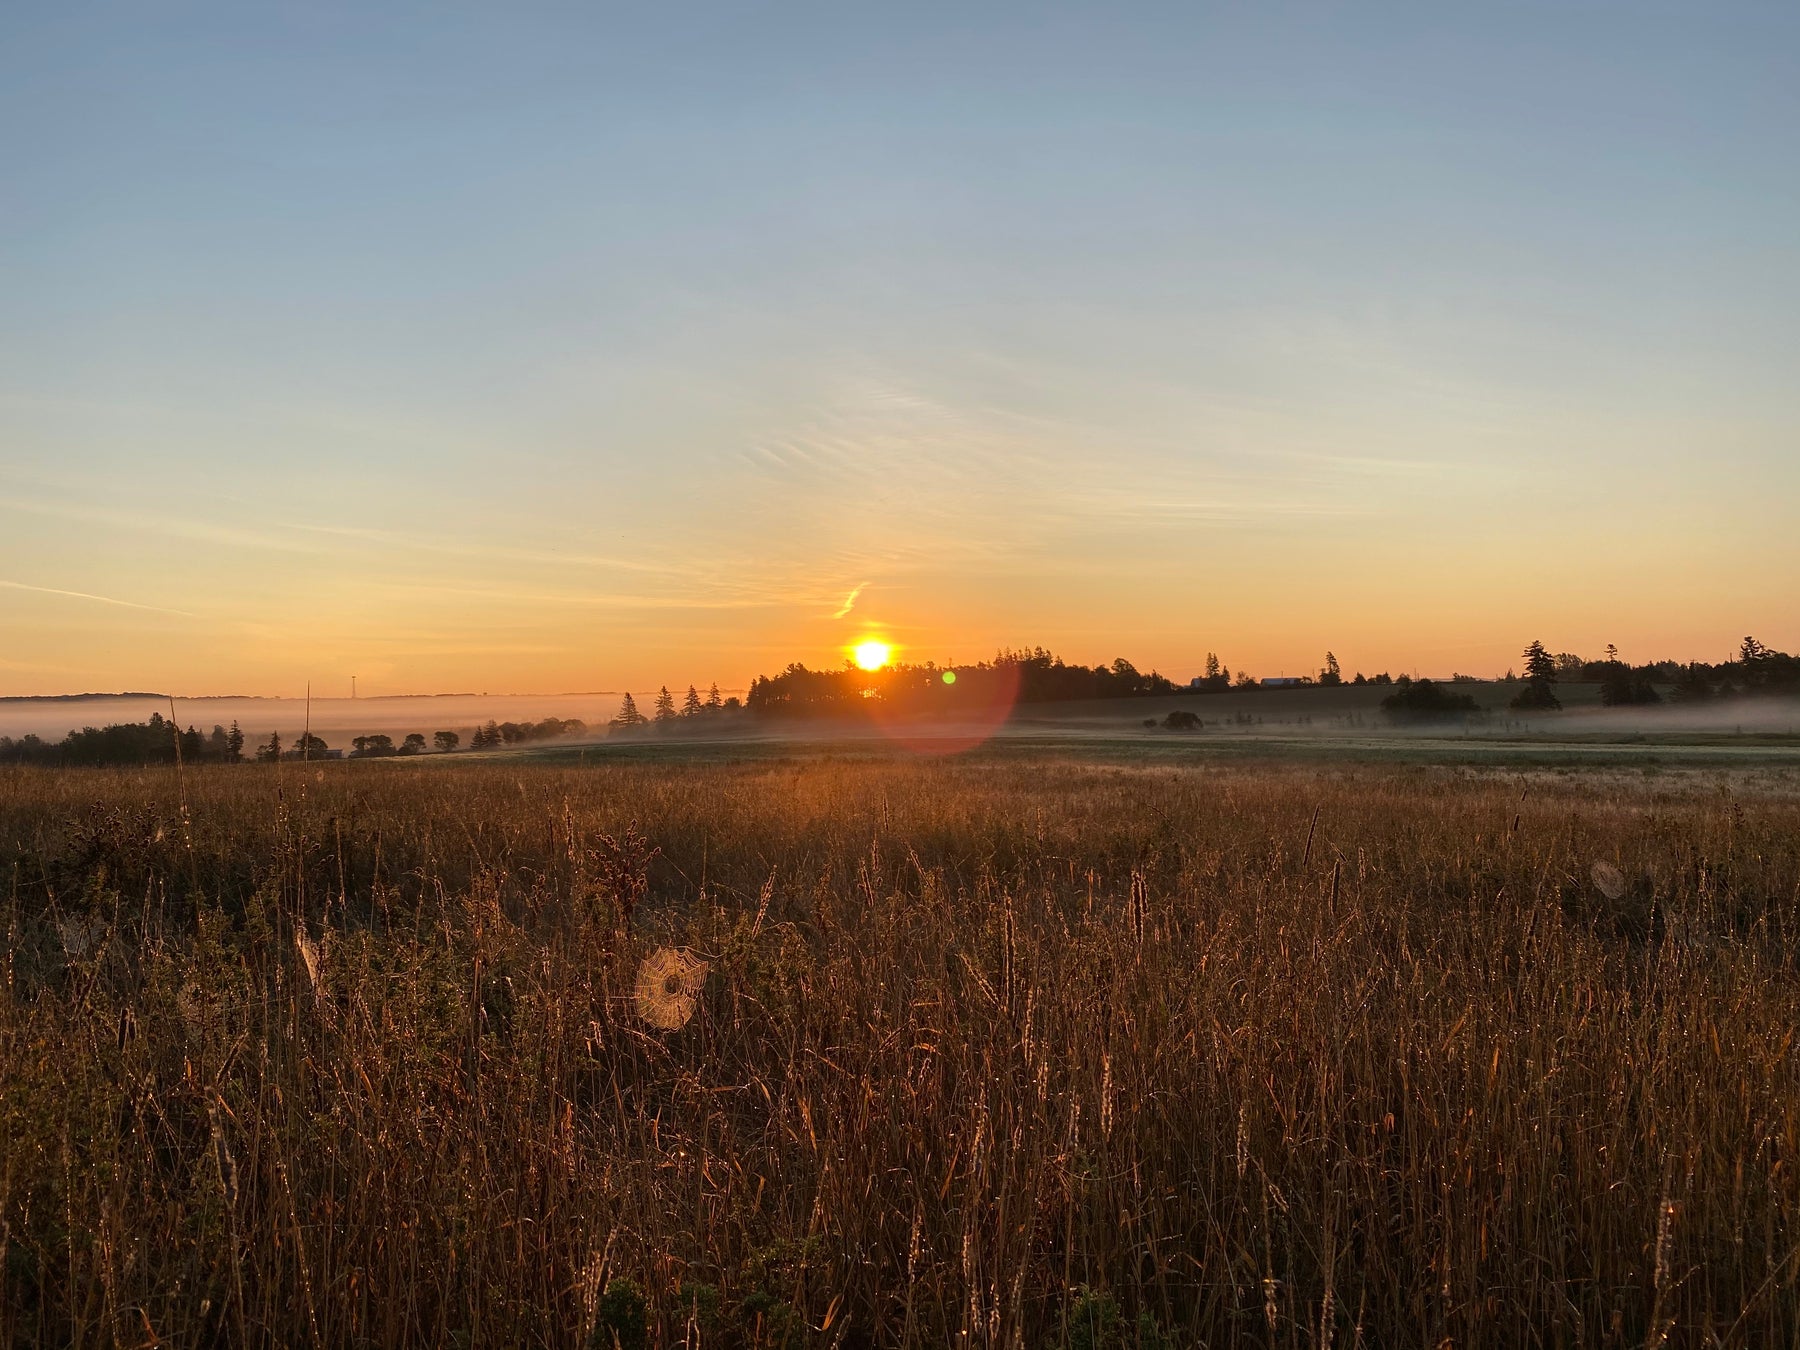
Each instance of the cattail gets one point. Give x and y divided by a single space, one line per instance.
1139 908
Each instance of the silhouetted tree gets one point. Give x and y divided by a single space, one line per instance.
628 715
446 740
1331 674
665 706
713 701
1540 675
270 750
690 706
1621 686
414 744
1426 699
308 746
1693 683
234 742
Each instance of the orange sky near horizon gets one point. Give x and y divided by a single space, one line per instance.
595 350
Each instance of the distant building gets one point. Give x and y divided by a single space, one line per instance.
1283 682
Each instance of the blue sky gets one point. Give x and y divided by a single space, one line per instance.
567 347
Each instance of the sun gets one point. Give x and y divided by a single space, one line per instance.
872 653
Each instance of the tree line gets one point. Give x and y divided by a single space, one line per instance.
694 712
1758 670
161 741
1026 676
157 741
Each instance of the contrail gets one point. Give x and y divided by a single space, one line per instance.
103 599
850 600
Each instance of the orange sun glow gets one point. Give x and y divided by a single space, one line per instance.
872 653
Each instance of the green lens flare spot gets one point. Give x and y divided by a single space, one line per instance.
949 677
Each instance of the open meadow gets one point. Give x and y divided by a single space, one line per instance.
1021 1048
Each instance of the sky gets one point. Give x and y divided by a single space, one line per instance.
538 348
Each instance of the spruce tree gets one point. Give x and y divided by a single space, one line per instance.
665 705
628 715
1540 674
690 706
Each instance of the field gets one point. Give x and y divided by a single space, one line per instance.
1037 1047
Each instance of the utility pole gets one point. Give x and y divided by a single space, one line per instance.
353 686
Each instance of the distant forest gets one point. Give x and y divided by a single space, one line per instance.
1040 676
160 741
1035 676
1012 677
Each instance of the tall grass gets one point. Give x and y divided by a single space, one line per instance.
1021 1054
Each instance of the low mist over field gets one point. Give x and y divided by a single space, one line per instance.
336 720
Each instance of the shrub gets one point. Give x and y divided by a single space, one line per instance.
1425 699
623 1322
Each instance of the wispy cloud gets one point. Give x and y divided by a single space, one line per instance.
160 523
850 601
98 599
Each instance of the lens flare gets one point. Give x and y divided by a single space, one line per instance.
872 654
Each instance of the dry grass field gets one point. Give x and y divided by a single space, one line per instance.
985 1053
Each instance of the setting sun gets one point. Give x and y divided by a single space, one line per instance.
872 654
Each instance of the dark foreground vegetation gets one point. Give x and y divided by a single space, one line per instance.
1025 1054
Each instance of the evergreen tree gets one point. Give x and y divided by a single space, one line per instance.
234 742
713 701
628 715
1693 683
1540 674
1331 674
665 705
271 751
690 706
1622 686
